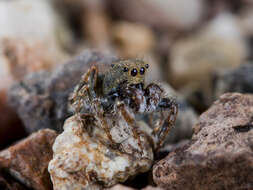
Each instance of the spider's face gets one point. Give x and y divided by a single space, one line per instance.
132 71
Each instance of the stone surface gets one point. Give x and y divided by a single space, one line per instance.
120 187
151 188
86 157
21 20
227 81
220 155
27 161
41 99
162 15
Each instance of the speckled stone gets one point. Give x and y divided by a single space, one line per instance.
27 161
220 155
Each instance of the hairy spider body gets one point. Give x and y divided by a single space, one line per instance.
124 82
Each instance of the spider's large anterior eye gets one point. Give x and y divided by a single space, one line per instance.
125 69
142 70
147 65
134 72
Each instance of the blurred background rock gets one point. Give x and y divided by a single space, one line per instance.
198 50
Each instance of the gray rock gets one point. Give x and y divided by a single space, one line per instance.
220 155
41 98
236 80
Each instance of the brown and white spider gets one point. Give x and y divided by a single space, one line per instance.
118 125
124 83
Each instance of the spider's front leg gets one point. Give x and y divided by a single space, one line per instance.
84 93
166 107
163 130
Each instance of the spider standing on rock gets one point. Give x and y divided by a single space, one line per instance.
124 83
118 125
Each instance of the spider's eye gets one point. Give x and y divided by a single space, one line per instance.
112 65
142 70
147 65
134 72
125 69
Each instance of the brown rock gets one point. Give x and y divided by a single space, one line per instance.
151 188
28 160
120 187
220 155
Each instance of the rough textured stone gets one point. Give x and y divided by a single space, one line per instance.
28 160
227 81
41 98
220 155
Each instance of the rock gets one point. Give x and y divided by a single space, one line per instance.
151 188
162 15
220 155
227 81
41 99
168 148
86 157
25 48
19 17
219 45
28 160
132 39
120 187
7 183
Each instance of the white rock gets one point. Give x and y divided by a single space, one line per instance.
82 160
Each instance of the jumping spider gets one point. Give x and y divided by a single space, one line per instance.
124 83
